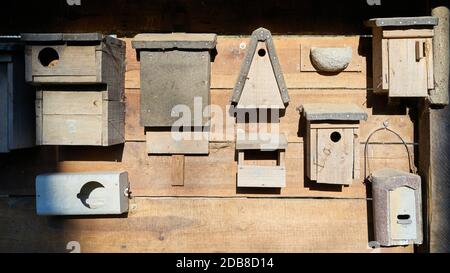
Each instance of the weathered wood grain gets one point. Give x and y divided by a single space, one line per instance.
196 225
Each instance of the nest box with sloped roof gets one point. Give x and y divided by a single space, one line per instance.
261 83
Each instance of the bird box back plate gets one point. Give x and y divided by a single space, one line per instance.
261 83
175 71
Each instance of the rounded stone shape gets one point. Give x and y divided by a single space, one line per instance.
331 59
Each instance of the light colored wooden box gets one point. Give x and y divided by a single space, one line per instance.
403 56
332 142
258 176
17 128
78 118
68 59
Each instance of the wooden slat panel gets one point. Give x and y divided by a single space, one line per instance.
408 75
231 51
196 225
335 157
72 103
72 130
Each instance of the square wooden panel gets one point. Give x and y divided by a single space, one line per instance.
170 79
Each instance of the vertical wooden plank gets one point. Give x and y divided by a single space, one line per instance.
311 154
282 158
177 172
4 98
356 155
378 62
429 62
385 64
39 118
241 158
407 76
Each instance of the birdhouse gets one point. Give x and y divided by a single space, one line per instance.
397 207
332 142
261 83
82 194
403 55
256 175
80 82
17 129
175 82
76 59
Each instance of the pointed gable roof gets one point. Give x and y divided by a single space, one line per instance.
260 35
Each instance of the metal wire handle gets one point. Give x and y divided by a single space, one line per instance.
412 168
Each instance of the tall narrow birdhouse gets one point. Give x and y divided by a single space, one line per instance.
397 207
175 83
103 193
332 142
17 129
403 55
261 83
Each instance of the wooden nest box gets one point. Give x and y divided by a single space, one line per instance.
332 142
80 81
403 55
260 85
175 74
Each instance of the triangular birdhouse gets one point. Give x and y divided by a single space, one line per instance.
261 83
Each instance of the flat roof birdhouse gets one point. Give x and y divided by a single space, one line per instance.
261 83
403 55
80 79
332 141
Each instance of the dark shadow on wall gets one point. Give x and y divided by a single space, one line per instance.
127 18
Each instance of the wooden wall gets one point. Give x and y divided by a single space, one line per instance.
209 213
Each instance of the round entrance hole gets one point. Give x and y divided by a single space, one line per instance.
336 137
48 57
262 52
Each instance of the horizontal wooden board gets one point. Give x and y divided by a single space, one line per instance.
196 225
231 52
177 143
223 122
72 103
